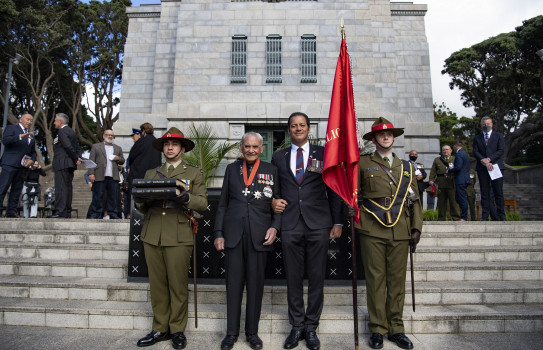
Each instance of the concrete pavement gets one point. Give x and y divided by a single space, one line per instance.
22 338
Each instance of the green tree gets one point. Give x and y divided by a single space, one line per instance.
208 152
501 77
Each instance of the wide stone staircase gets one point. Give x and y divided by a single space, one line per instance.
470 278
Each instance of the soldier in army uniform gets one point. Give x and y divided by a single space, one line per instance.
446 204
471 195
168 240
420 173
390 224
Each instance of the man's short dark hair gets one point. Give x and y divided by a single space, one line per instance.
148 128
486 117
295 114
458 143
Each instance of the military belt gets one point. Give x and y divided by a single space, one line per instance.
165 204
384 201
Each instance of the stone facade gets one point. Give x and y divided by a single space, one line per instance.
178 55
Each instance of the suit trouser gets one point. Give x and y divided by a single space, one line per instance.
110 189
462 199
446 197
303 247
497 188
168 281
471 203
244 267
64 192
11 177
385 264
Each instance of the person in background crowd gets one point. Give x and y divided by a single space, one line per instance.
18 142
461 178
105 177
31 190
420 173
445 184
488 150
136 135
67 158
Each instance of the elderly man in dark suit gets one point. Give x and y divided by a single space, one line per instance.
66 159
18 142
143 156
461 178
105 177
488 149
312 216
246 227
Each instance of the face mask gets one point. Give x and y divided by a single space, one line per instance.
486 128
413 158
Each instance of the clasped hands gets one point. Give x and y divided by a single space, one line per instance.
487 163
271 234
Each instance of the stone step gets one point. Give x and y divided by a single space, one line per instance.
479 254
65 237
63 251
64 225
427 293
54 268
212 317
468 239
477 271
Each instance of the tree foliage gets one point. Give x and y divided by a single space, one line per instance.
502 77
67 46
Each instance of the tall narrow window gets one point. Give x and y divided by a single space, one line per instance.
239 60
273 59
308 58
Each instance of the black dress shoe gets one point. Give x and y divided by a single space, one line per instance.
312 341
254 341
376 341
293 338
54 216
228 342
401 340
179 341
14 215
153 337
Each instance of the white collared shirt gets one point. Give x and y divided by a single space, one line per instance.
293 152
109 163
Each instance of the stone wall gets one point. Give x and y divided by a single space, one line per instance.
177 66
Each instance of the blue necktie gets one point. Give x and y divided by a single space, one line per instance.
299 165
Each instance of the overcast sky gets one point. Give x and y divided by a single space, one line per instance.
452 25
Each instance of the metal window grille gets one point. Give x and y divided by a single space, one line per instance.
238 74
308 58
273 59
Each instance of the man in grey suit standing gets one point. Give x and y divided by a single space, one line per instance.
105 177
66 159
245 228
311 216
461 178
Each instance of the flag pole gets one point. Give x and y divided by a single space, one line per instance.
353 256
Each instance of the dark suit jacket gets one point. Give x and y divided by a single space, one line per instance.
66 148
319 205
494 150
15 149
461 168
99 156
142 157
234 206
421 185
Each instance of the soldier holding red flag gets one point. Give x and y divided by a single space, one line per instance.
390 224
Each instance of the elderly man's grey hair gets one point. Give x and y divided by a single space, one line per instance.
64 117
252 133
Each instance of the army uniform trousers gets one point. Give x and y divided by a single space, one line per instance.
446 204
471 202
168 281
385 265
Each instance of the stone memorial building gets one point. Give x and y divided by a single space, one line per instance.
241 65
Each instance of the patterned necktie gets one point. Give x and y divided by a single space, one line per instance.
486 138
299 165
171 168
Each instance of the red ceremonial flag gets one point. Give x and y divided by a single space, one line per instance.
341 154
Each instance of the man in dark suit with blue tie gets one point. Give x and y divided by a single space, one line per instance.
18 141
312 216
66 159
461 178
488 149
245 228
